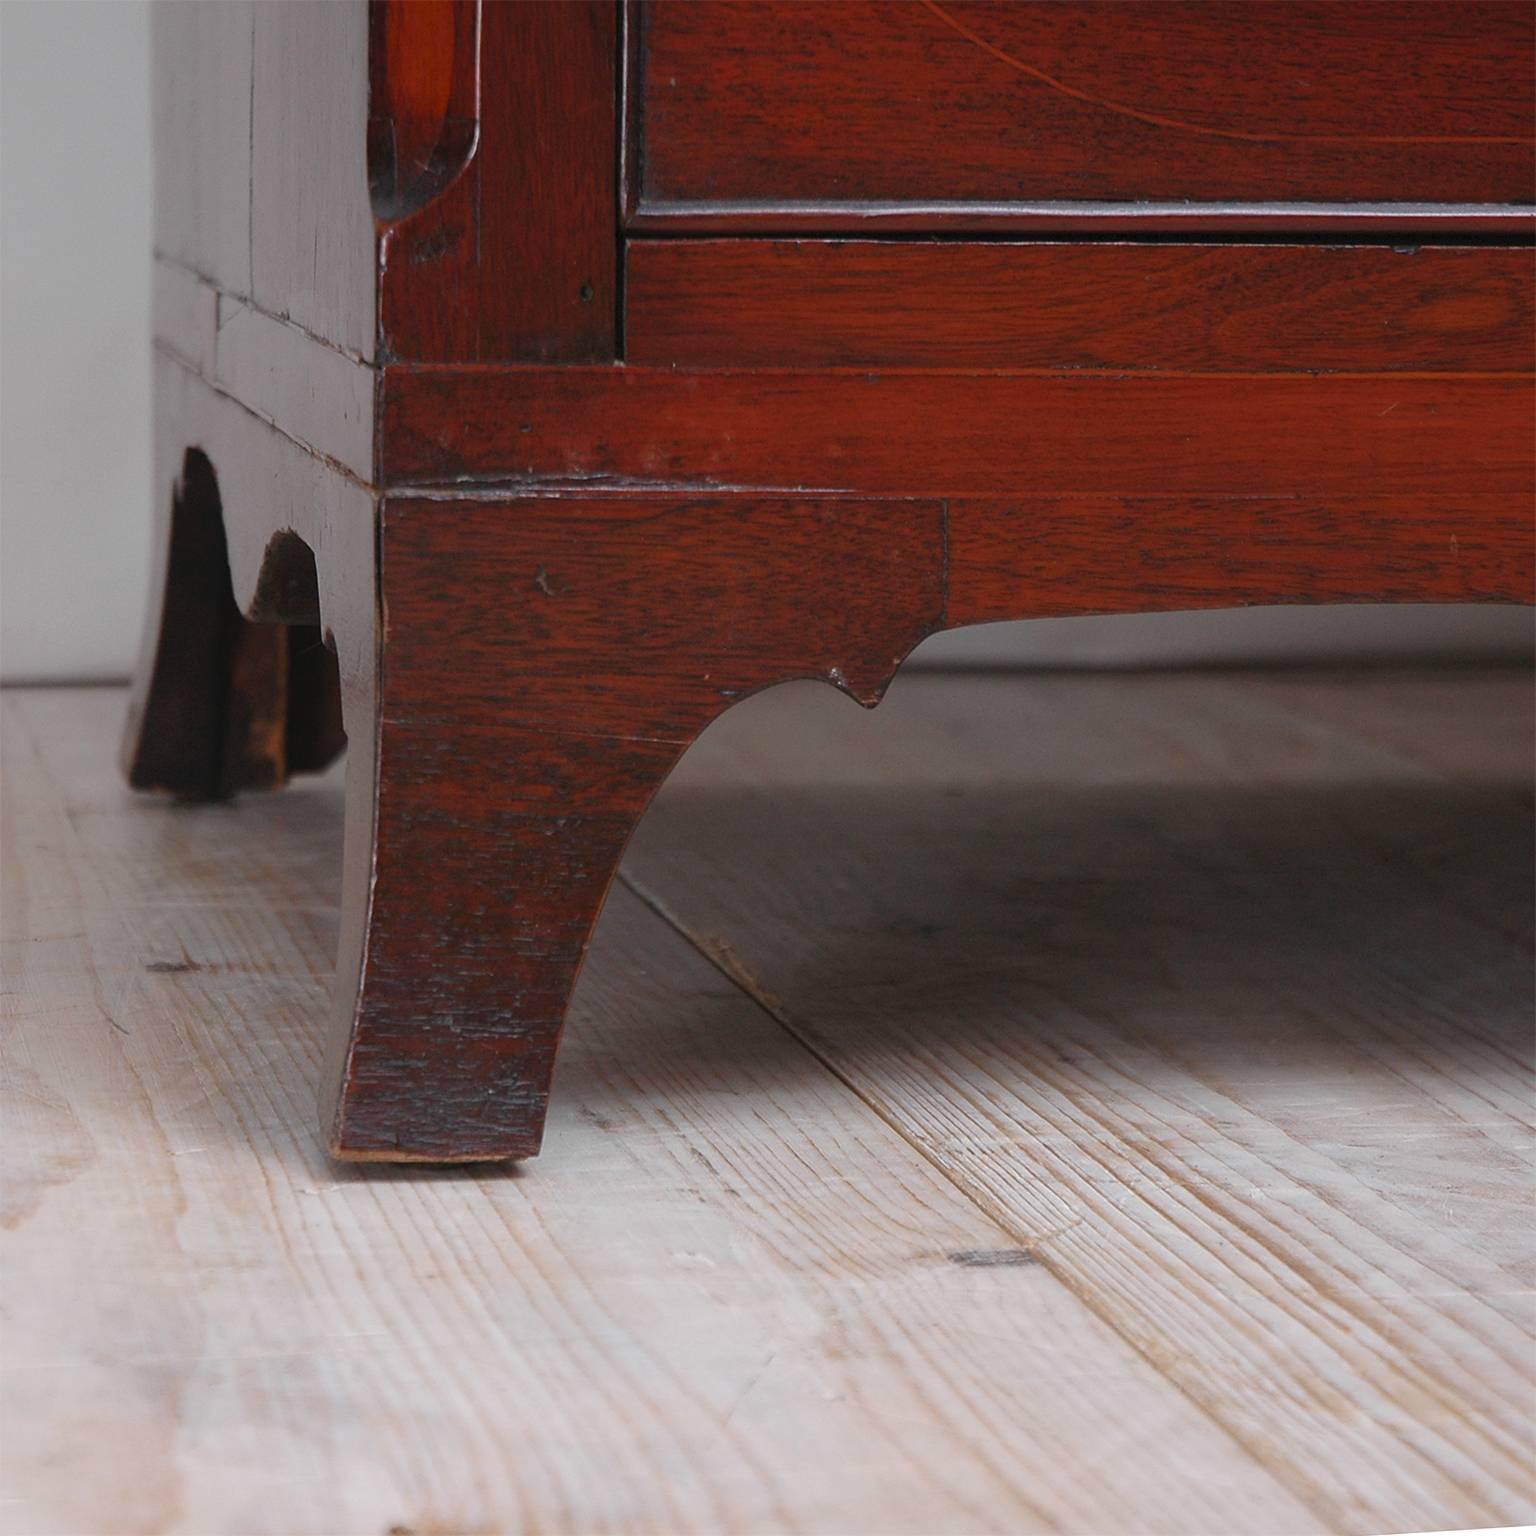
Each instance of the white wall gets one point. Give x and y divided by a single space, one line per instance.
74 322
74 409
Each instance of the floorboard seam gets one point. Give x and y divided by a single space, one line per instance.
722 956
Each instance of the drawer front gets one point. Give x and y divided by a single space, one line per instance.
1166 307
956 112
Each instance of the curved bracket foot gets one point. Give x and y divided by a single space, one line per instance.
545 664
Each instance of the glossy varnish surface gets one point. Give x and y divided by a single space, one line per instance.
1202 308
594 640
955 433
933 102
516 258
407 470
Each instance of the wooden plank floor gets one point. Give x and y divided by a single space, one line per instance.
1061 1103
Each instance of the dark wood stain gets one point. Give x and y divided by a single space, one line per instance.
869 102
508 789
554 569
962 433
517 258
1146 308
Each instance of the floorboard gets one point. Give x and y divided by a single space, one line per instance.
1049 1103
728 1297
1215 992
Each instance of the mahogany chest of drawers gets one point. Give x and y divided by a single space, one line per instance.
535 380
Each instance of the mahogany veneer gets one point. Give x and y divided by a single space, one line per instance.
534 381
966 104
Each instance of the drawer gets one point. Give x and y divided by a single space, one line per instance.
947 113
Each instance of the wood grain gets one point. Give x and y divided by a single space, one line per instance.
1219 997
736 1299
782 105
483 249
593 640
493 798
1160 308
517 259
1039 557
954 434
403 471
